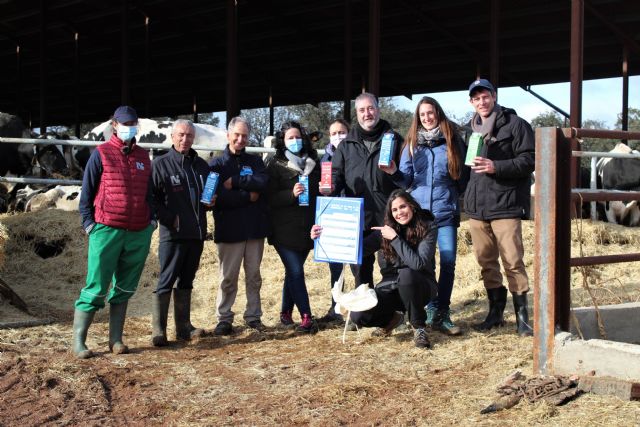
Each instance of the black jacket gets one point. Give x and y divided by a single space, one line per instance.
237 218
174 176
507 192
290 222
355 171
418 258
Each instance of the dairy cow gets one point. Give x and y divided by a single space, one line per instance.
159 132
620 174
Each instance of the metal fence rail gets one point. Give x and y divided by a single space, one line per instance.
553 261
86 143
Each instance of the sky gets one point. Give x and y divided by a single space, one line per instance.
601 99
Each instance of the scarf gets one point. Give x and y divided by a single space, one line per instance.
303 165
374 134
485 127
429 137
330 149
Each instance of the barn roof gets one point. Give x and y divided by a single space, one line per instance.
293 48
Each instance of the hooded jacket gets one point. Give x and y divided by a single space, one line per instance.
505 193
354 170
175 176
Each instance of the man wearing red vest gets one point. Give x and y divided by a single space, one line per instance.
114 205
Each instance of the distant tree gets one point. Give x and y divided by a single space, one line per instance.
399 118
634 125
547 119
462 120
317 118
259 120
209 119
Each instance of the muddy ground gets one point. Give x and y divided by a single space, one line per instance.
278 377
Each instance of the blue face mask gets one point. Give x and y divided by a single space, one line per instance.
294 145
126 133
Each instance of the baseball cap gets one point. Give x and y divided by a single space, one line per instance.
125 114
481 84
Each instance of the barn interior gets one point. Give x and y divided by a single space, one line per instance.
71 61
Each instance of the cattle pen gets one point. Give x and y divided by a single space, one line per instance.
553 208
85 143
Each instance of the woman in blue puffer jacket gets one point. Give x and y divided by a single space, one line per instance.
432 166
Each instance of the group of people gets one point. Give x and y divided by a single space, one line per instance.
411 207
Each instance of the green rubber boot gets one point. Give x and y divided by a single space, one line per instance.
117 315
160 313
81 322
185 331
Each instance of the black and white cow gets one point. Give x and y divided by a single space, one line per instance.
159 132
621 174
14 158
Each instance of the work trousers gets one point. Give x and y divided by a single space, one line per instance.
410 294
500 238
179 262
115 256
231 256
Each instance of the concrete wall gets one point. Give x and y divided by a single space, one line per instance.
621 322
603 358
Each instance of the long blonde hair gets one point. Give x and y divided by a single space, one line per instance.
448 129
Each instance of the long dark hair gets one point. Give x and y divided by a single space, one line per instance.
448 129
280 146
413 232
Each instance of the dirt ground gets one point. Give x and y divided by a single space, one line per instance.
277 377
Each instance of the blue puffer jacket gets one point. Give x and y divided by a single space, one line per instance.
426 176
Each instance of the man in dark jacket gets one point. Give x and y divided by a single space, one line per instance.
178 179
355 170
241 224
497 199
114 206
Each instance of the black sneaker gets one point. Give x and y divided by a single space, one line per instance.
257 325
223 328
420 338
396 320
331 317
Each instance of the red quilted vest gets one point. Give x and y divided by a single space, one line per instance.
121 198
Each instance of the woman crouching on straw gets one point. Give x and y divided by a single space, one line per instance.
408 241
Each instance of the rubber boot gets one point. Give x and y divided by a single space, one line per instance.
81 322
522 315
159 315
182 315
117 315
497 303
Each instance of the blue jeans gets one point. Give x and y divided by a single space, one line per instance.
294 290
447 246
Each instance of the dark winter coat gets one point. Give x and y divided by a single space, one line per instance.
355 171
420 257
505 193
237 218
174 177
290 222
